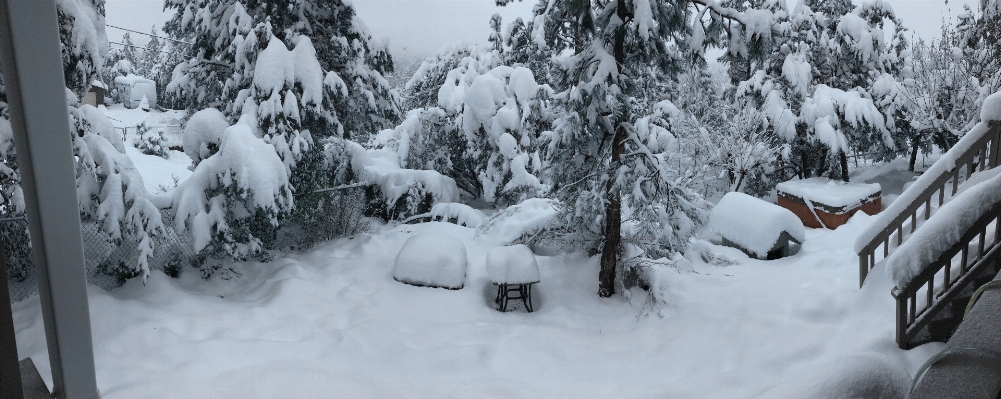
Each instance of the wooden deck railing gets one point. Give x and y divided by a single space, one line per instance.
985 153
939 284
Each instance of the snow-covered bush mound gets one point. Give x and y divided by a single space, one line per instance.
203 134
489 121
381 167
754 224
244 179
941 232
429 260
513 264
865 376
524 219
991 109
463 214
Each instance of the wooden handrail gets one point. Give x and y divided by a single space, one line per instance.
983 154
910 318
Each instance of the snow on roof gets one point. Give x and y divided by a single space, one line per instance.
834 194
98 83
754 224
131 79
942 231
940 167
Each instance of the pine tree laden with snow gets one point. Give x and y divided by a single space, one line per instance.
600 167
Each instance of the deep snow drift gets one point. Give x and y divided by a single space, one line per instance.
333 320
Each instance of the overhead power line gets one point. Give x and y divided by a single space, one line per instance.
134 46
148 34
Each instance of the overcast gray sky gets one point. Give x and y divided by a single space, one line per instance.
424 26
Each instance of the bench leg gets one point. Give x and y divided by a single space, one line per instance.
526 297
504 299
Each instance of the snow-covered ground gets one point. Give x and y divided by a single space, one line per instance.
333 322
158 173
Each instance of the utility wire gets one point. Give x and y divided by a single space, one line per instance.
134 46
148 34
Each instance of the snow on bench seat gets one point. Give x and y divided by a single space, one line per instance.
823 203
429 260
513 264
755 226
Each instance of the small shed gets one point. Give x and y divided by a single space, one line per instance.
95 96
823 203
131 89
759 228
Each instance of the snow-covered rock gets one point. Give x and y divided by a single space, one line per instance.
753 224
513 264
431 261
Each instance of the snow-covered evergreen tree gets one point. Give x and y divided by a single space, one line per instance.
848 74
221 33
607 158
484 129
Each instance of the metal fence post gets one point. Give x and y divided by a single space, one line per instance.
33 76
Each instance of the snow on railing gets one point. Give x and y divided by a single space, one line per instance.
976 151
930 273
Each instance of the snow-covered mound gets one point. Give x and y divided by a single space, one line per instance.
463 214
754 224
382 168
431 261
836 194
942 231
513 264
525 218
203 129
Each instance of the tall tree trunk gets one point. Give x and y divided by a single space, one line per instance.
914 154
613 225
844 165
613 211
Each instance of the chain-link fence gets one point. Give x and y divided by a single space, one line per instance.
330 215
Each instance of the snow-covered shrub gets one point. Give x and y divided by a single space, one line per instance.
460 214
203 134
522 223
431 261
401 192
152 141
234 200
486 132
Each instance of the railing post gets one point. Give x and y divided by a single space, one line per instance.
36 93
995 144
863 266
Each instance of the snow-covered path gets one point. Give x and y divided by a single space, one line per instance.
333 323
